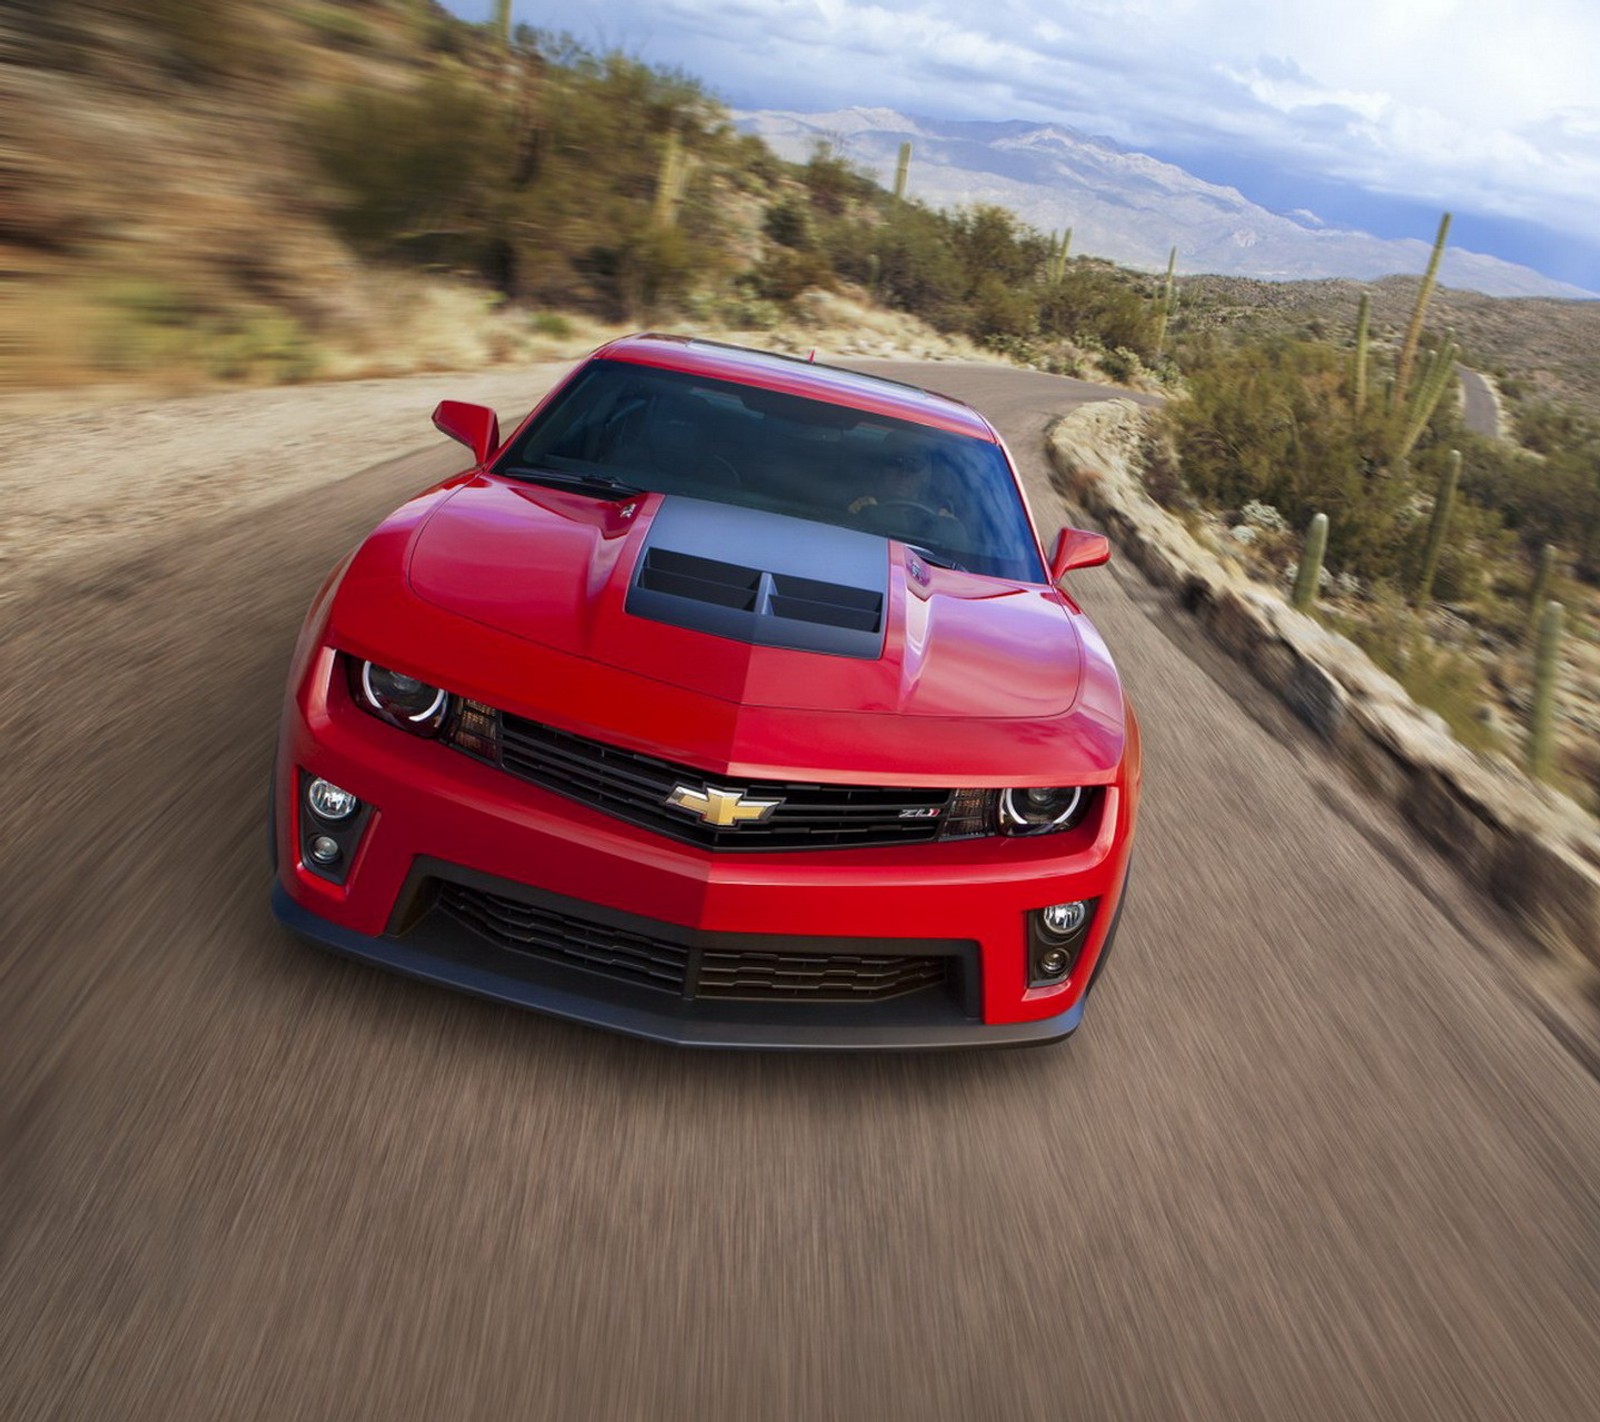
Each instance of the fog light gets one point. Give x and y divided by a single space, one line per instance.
1053 962
329 802
1063 920
324 849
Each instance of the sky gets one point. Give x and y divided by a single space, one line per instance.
1376 114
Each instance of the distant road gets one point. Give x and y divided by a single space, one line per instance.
1480 411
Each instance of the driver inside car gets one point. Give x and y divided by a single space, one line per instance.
903 472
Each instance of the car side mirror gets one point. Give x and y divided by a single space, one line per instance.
476 426
1078 548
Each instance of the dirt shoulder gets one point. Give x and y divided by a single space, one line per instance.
73 484
77 481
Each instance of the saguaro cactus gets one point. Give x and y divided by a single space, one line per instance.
1056 263
901 170
1546 662
1443 505
1363 325
671 178
1309 578
1408 351
1542 578
502 22
1435 380
1169 302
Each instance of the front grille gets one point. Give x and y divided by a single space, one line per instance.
564 938
652 961
635 788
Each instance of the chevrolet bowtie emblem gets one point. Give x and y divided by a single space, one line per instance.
721 808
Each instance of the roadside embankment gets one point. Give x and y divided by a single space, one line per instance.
1533 850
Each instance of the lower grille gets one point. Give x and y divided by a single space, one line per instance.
652 961
562 938
817 977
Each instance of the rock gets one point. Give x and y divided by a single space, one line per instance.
1316 698
1450 823
1551 886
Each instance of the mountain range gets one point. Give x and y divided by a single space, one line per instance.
1126 206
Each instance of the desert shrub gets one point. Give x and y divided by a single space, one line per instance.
996 310
1477 545
1446 682
547 192
413 174
907 255
1121 364
550 323
1550 499
643 269
1094 301
1274 422
784 273
788 223
833 182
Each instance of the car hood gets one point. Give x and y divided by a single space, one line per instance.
605 582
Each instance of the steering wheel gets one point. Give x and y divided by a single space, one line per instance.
721 471
912 504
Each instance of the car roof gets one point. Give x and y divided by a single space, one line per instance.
791 375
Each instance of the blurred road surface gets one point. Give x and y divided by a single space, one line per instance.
1312 1156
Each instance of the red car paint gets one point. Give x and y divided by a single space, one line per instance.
513 595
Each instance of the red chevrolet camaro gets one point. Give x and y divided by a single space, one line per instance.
731 701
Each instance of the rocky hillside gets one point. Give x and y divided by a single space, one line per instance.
1552 346
225 190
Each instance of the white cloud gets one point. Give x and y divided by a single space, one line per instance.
1455 102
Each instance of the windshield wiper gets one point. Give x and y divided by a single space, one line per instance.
601 485
938 560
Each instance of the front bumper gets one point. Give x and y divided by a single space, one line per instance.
457 959
440 817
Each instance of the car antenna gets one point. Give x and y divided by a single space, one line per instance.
813 356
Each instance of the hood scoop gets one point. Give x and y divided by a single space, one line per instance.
764 599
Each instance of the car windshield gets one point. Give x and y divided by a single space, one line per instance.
620 427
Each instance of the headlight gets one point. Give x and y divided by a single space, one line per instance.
1042 809
399 699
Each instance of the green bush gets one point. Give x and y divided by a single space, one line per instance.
833 182
1096 302
1275 422
550 323
783 274
1553 498
788 223
413 174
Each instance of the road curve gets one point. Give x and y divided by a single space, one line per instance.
1312 1156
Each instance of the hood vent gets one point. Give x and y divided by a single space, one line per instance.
770 604
700 579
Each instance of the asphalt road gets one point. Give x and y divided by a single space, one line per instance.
1479 411
1313 1155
